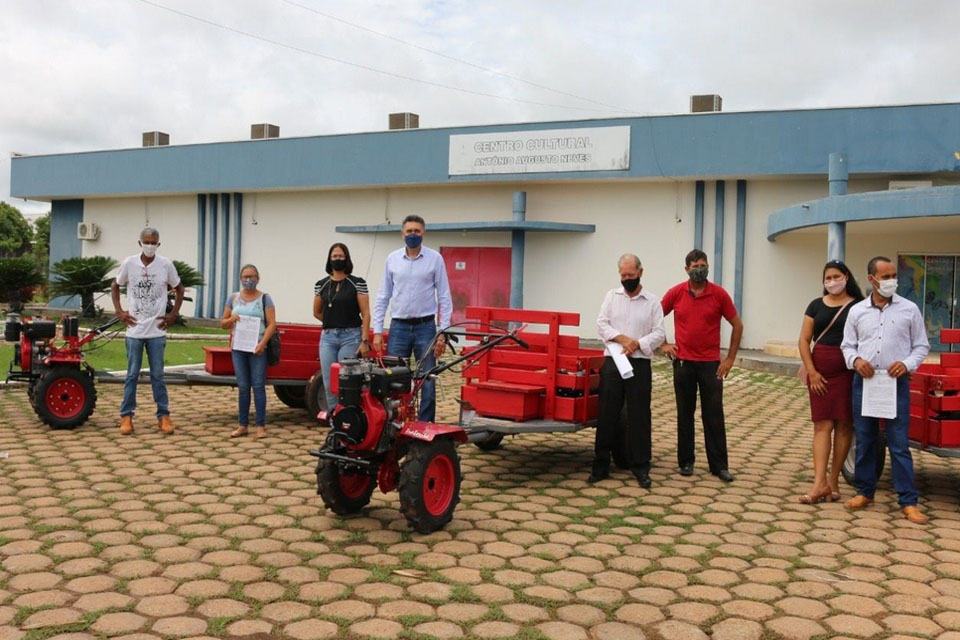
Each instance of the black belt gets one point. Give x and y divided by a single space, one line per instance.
414 320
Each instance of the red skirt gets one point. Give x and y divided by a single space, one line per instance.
837 404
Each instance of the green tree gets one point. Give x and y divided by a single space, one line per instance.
41 241
18 278
15 232
189 277
84 277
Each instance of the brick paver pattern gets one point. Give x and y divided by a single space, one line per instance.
195 534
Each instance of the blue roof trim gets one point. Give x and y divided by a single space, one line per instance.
875 205
896 139
507 225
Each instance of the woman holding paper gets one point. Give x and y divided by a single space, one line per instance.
828 379
252 318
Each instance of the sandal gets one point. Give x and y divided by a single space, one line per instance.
834 496
238 432
817 499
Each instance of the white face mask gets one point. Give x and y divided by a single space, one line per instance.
835 286
149 250
887 288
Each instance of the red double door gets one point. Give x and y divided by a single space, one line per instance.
479 276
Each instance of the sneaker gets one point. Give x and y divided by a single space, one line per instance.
126 425
165 424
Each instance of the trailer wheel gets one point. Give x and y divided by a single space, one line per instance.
430 484
490 444
291 395
342 492
620 451
850 463
64 397
316 396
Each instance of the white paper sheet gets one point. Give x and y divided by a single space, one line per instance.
879 396
620 359
246 333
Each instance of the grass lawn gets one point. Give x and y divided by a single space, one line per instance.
104 355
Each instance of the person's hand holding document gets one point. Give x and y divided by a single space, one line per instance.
246 333
879 395
620 359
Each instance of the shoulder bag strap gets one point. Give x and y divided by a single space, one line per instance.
834 319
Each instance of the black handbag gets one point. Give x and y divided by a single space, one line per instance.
273 344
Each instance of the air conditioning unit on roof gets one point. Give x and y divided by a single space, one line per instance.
88 231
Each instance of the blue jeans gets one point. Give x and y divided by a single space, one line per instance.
405 339
897 430
251 372
155 348
336 345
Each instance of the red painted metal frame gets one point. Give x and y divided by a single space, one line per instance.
934 391
429 431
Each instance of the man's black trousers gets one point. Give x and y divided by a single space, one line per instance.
688 376
614 390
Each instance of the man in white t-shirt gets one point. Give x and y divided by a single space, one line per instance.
148 277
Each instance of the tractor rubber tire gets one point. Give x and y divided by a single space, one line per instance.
430 484
315 396
848 465
620 451
490 444
292 395
343 493
32 393
64 397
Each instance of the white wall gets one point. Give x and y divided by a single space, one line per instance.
287 235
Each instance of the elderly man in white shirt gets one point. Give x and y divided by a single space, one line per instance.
884 332
630 324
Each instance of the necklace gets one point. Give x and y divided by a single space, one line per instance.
334 296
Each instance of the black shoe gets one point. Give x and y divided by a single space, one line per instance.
597 477
724 475
643 479
687 469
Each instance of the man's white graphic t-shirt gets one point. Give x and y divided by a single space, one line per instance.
147 286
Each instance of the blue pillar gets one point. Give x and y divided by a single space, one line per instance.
225 247
517 247
65 215
741 238
212 251
718 233
201 254
837 231
237 229
698 216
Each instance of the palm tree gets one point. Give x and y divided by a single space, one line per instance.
84 277
189 277
18 277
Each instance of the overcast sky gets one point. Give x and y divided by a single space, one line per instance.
94 74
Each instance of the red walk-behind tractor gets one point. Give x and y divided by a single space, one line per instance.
375 439
59 381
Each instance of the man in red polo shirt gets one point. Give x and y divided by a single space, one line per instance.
698 306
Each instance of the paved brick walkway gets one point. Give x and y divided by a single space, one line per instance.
198 535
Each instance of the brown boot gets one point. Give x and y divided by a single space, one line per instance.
913 514
166 425
858 502
126 425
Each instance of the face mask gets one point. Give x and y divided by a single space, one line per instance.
699 274
338 265
149 250
630 285
835 286
413 240
249 284
887 288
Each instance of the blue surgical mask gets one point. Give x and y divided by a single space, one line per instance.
413 240
249 284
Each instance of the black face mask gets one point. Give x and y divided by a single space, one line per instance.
338 265
630 285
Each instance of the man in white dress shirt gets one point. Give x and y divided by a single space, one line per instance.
630 323
884 332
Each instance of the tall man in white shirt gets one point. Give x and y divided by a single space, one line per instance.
630 323
415 287
147 277
884 333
